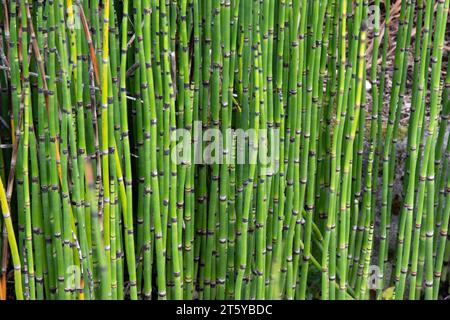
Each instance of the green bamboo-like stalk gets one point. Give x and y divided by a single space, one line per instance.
293 130
442 238
202 198
436 64
413 154
328 263
55 213
184 189
213 205
196 227
441 198
25 159
439 161
279 177
250 174
104 142
128 211
78 172
40 201
383 224
147 245
261 213
224 174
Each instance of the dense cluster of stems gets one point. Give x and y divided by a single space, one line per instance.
98 201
